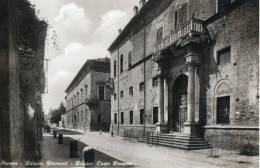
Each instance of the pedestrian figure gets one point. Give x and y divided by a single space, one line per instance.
48 129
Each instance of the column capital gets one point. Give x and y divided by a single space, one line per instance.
192 58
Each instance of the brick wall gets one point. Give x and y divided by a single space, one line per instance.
238 29
86 115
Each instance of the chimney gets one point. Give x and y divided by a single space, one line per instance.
135 10
119 31
142 3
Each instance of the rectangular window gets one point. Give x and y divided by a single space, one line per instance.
99 118
122 117
78 98
182 15
142 116
222 4
155 115
131 91
160 34
82 116
101 92
142 86
223 110
115 68
224 56
82 96
122 93
114 96
155 81
130 59
86 92
115 118
131 117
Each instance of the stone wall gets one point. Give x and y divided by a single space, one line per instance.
20 114
239 30
11 128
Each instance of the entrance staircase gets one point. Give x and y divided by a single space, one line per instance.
176 140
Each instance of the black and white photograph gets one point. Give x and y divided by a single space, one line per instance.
129 83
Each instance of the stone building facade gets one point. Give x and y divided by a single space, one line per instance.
22 83
190 67
88 99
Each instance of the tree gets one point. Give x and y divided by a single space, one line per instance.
56 113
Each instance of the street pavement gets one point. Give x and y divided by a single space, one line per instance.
142 155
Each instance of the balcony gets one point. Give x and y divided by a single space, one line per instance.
91 102
192 27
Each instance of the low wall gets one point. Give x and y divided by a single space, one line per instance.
242 139
133 130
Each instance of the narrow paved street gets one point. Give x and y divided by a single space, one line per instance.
143 155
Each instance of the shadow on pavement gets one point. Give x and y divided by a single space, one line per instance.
60 153
66 132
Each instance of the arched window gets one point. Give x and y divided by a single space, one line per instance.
121 63
115 68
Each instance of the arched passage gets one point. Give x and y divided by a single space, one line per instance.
179 102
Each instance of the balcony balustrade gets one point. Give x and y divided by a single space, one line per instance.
193 26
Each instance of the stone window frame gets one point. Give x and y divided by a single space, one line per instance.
129 59
132 117
153 81
115 68
104 92
86 91
115 96
157 114
122 118
217 95
81 95
217 5
121 63
220 48
143 117
121 94
82 118
141 86
115 118
77 98
161 27
131 91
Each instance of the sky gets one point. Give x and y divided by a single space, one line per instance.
78 30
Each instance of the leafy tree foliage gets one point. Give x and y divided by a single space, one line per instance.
56 113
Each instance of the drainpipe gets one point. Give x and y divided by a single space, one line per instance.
145 116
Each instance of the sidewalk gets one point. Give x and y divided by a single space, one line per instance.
145 156
56 155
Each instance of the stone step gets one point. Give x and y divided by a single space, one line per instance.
182 146
177 140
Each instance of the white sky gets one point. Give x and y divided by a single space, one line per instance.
85 29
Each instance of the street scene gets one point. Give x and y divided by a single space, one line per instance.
129 83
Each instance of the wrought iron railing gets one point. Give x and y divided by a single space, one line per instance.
191 26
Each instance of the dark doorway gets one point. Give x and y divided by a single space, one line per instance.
155 115
223 110
179 113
